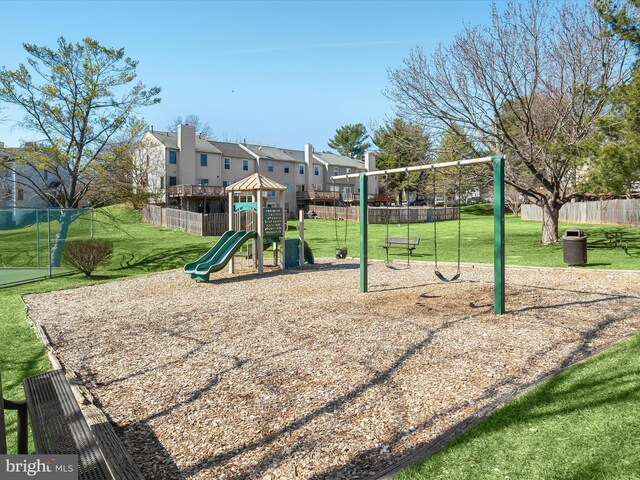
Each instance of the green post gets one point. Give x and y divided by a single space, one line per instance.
38 238
364 241
49 238
498 234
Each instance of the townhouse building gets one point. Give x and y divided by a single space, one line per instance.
191 173
25 186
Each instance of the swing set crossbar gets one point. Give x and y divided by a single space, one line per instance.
498 219
415 168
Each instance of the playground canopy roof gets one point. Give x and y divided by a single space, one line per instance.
256 182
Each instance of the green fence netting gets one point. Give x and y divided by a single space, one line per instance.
32 240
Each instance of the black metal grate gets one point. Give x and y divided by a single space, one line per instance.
59 426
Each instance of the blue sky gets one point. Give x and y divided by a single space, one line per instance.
273 73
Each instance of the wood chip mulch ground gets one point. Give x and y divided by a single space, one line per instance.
297 375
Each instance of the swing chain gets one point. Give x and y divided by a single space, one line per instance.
435 241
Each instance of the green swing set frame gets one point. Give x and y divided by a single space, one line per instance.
498 220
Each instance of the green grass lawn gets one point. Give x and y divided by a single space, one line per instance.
583 424
522 242
590 411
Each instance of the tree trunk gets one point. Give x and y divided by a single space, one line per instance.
66 218
550 214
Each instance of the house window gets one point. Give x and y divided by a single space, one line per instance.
245 165
271 194
301 168
161 187
172 157
348 171
316 170
227 163
203 159
286 168
173 181
203 181
336 171
20 194
287 187
225 183
269 166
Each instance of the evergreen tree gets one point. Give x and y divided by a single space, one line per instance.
615 166
402 144
351 140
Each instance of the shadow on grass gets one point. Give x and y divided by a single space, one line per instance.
481 209
614 238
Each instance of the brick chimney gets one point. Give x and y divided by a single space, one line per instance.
187 154
308 160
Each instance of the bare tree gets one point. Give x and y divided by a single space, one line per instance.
514 199
124 171
530 86
202 128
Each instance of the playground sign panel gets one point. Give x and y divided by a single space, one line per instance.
272 222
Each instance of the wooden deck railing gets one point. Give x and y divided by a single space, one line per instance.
196 191
316 195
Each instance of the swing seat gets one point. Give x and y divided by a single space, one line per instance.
341 253
445 279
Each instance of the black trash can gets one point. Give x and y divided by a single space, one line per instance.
574 247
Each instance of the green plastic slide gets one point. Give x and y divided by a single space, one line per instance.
222 256
191 267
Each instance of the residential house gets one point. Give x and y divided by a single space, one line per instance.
185 170
192 172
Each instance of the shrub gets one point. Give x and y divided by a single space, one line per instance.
86 255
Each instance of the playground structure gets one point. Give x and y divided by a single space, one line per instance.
497 162
250 220
33 240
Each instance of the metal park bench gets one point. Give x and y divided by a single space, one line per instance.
21 407
408 244
59 427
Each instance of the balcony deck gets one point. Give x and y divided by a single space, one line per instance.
317 196
206 191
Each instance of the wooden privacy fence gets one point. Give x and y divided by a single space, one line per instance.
205 224
603 212
210 224
379 215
